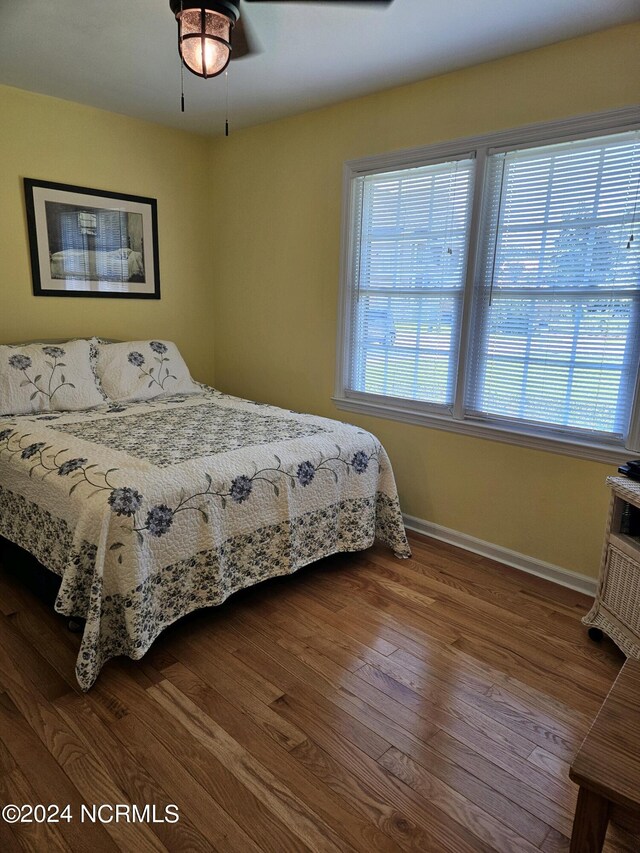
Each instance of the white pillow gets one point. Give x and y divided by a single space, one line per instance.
47 378
142 370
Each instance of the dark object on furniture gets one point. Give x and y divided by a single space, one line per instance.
631 469
595 634
607 766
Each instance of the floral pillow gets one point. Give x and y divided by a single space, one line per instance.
47 378
141 370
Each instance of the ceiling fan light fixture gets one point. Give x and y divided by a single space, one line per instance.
204 35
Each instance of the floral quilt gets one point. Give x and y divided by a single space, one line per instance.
150 510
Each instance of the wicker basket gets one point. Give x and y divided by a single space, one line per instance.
616 610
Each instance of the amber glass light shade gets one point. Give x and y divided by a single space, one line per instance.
204 41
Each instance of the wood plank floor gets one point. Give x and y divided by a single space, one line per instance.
364 704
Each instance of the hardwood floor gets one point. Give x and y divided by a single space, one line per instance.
363 704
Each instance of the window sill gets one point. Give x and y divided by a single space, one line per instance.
552 444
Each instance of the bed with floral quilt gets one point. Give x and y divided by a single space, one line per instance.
150 510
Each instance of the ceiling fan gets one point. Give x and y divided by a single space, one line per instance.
212 32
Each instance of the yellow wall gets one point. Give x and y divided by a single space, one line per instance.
276 215
42 137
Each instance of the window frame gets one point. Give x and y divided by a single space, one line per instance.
429 415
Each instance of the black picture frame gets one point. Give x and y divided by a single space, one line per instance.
92 243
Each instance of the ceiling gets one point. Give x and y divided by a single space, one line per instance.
121 55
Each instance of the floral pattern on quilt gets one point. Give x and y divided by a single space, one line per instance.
138 546
171 436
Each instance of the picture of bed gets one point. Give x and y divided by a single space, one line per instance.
92 243
86 242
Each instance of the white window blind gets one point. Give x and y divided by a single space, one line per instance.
556 328
111 236
494 290
411 230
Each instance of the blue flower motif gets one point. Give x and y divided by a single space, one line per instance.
360 462
20 362
71 465
305 474
159 347
5 434
53 352
159 520
125 501
136 359
240 489
32 449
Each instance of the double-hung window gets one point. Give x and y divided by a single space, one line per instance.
494 288
413 234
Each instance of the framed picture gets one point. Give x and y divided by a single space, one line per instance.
86 242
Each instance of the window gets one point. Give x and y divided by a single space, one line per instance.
414 234
498 288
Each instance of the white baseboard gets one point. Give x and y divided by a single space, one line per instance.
564 577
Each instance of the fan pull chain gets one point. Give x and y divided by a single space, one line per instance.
226 117
181 72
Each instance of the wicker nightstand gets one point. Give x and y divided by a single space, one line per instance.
616 610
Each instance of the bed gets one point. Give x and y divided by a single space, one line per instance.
150 510
115 265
